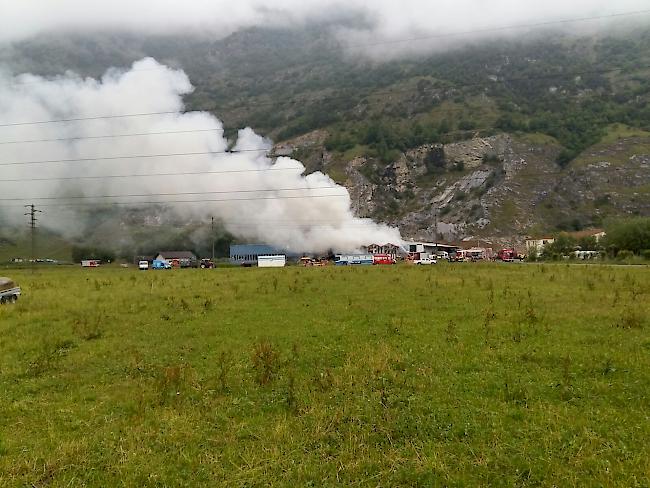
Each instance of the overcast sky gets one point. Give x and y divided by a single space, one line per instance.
390 19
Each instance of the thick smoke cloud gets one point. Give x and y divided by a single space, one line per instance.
317 223
385 20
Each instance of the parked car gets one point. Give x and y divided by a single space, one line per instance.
425 261
9 290
143 265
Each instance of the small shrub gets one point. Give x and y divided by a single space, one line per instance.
624 255
172 382
266 362
224 365
48 355
630 319
451 332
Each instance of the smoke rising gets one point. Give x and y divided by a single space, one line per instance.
257 198
382 20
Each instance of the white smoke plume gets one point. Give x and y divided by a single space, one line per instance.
256 197
383 20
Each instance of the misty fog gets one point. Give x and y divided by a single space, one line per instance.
383 20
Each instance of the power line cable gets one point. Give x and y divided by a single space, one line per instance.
111 136
140 156
479 179
169 194
161 202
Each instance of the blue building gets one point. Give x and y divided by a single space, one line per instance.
247 254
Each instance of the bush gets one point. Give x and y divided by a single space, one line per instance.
646 254
623 255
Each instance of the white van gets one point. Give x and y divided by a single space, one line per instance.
143 265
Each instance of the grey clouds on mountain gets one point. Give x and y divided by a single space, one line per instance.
383 20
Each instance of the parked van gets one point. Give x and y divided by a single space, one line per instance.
143 265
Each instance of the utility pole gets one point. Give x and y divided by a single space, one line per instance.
212 229
435 224
31 213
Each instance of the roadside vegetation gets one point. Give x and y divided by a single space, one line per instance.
475 375
626 241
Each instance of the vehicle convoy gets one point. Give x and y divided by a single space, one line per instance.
9 290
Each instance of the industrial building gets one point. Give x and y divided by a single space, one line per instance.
248 254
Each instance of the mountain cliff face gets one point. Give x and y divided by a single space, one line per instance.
500 187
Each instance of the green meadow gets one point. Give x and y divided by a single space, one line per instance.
452 375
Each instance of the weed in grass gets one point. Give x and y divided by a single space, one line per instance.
48 355
173 382
324 380
88 329
224 366
184 305
514 392
608 368
489 317
266 362
566 386
616 299
590 284
451 332
290 396
630 319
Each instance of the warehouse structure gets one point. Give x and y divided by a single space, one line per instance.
248 254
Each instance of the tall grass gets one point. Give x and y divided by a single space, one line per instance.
458 375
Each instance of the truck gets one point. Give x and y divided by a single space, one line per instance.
90 263
421 258
353 259
143 265
9 290
424 259
383 259
507 255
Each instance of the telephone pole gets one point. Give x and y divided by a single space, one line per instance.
435 224
212 229
31 213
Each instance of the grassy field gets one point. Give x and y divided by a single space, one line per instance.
455 375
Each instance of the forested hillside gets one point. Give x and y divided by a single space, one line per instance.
558 99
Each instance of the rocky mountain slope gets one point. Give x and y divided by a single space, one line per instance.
500 187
